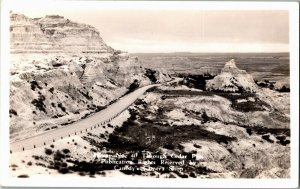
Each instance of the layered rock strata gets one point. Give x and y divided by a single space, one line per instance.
232 79
62 71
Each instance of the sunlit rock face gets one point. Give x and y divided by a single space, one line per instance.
232 79
54 33
62 71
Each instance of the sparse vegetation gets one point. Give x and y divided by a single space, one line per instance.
133 86
151 75
133 136
246 106
196 81
39 103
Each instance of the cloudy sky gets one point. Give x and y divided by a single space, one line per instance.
179 30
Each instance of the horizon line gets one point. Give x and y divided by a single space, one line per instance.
204 52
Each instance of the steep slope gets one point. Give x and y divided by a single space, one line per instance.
62 71
232 79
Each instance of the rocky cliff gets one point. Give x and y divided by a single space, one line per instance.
62 71
54 33
232 79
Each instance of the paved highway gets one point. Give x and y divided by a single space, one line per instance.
81 126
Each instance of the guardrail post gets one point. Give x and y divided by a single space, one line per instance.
33 146
44 143
53 140
75 133
69 135
23 148
61 137
10 151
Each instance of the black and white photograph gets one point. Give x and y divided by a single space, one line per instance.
150 90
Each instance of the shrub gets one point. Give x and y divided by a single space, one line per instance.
249 131
197 146
48 151
151 75
57 164
66 151
64 170
64 164
12 111
133 86
267 138
39 103
61 107
36 157
23 176
58 156
93 150
284 89
34 85
169 146
14 165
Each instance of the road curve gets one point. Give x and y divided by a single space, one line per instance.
81 126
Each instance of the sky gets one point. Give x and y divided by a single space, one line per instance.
163 29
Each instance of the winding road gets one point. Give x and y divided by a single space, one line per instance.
82 126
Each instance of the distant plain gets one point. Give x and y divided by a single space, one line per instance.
270 66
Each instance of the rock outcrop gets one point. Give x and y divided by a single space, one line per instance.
54 33
232 79
62 71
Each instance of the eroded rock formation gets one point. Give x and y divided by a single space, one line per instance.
232 79
62 71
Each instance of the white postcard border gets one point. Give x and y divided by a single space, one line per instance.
6 180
